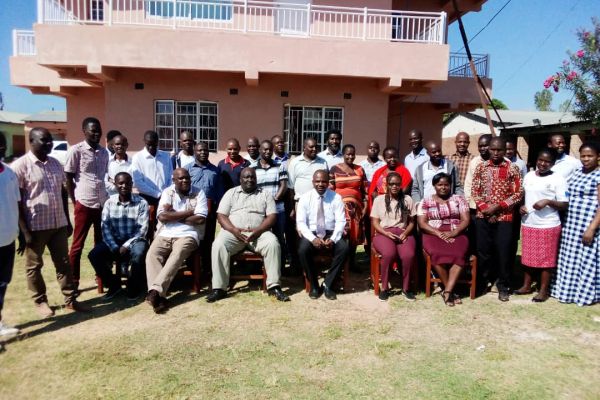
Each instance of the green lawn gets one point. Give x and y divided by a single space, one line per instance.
250 346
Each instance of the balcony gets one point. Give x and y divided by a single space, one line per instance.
249 16
459 65
23 43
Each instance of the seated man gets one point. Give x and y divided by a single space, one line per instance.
246 214
321 219
124 228
181 212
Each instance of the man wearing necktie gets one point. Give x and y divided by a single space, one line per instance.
321 219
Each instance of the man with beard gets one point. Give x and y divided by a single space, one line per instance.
86 168
181 211
246 214
332 153
422 186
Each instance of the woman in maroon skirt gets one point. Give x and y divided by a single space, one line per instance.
443 218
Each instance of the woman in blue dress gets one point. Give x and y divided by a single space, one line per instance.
578 275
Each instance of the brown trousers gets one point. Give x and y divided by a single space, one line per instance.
56 240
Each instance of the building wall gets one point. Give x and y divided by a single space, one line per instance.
12 133
255 111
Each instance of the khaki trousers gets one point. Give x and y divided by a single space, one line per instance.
226 245
165 257
56 240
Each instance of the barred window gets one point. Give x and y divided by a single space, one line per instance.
301 122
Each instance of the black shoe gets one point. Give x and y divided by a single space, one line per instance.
216 295
314 293
329 294
384 295
162 306
410 296
278 293
153 298
503 296
111 293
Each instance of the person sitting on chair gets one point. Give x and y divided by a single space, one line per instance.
124 227
181 212
321 219
246 214
443 219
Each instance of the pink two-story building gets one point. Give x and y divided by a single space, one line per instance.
238 68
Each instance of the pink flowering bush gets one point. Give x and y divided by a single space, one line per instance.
581 75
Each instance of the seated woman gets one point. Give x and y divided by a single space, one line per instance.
393 219
348 180
443 218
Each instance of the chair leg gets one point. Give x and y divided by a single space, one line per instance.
99 284
264 279
375 272
427 275
197 273
473 263
346 275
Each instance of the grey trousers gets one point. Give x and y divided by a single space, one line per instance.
226 245
165 257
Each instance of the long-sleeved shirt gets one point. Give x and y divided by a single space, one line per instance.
335 215
123 224
422 183
206 178
461 162
497 184
151 174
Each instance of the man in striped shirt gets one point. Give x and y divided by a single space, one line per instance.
124 227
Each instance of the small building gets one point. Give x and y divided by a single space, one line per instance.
54 121
11 125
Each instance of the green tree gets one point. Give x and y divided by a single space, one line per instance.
542 100
498 104
581 75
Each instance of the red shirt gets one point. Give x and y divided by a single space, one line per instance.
379 185
497 184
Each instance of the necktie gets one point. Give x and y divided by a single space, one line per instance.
321 219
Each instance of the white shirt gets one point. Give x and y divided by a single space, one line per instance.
412 161
521 164
566 166
151 175
184 159
551 187
335 215
252 161
370 168
330 158
181 203
114 167
300 174
9 199
428 173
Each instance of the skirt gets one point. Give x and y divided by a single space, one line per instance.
443 253
539 246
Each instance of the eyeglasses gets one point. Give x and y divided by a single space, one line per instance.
394 184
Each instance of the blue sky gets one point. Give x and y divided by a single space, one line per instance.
527 42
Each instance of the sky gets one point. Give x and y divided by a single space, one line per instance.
527 42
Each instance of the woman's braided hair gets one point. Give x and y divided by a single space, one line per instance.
401 206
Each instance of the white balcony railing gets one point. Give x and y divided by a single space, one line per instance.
23 43
270 17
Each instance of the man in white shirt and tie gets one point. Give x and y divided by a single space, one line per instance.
151 170
320 219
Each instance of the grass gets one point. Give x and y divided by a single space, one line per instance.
250 346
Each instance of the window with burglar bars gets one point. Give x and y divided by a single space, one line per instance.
173 117
301 122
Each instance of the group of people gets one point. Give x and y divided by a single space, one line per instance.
289 210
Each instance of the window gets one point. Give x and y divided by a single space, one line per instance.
199 117
97 10
301 122
192 9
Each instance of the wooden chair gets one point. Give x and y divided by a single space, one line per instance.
246 256
430 277
195 271
323 258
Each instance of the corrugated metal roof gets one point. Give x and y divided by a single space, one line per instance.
12 117
525 118
47 116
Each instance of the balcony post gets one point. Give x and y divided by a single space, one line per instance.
442 33
110 7
308 8
174 14
245 16
40 11
365 13
14 42
487 65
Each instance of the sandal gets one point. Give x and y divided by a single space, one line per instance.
456 298
521 292
448 298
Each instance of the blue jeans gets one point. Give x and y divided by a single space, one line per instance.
102 259
7 261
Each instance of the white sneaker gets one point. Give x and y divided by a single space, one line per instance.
6 330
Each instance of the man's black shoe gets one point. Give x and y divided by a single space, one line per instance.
216 295
503 296
314 293
329 294
278 293
111 293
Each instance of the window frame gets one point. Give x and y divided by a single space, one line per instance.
325 125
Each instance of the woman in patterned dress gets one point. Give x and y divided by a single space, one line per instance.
578 275
444 218
545 195
349 181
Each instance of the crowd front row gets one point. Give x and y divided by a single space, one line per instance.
330 204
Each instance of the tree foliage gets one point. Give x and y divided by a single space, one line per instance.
543 100
581 75
565 106
499 104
